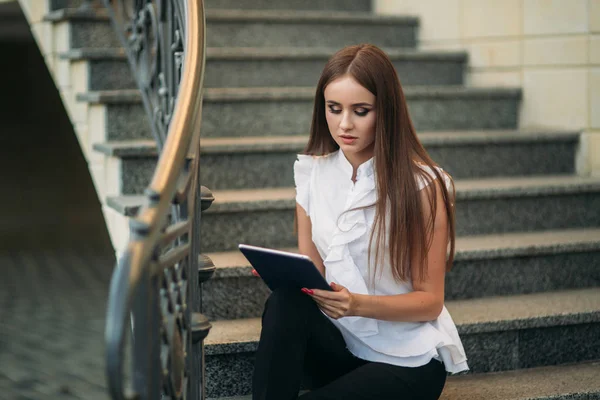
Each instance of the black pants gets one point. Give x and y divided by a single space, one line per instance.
297 340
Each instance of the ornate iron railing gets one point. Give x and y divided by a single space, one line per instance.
155 294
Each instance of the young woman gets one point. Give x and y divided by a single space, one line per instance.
376 216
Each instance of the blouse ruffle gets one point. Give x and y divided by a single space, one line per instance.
339 264
303 169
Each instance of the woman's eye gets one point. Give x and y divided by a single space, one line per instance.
335 110
361 112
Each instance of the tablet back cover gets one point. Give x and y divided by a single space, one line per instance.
283 269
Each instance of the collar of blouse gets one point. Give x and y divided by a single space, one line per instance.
364 170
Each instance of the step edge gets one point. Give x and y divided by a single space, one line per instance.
217 95
75 14
565 317
277 144
271 53
521 188
502 251
358 17
249 345
250 16
531 383
288 201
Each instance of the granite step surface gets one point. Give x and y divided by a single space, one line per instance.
265 217
346 5
267 162
499 334
260 67
284 111
561 382
485 265
261 28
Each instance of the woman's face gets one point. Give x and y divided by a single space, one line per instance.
350 111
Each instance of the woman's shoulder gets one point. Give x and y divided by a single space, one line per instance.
426 175
306 162
310 158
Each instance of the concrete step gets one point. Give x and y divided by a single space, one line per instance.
498 333
261 28
262 162
346 5
561 382
55 5
487 265
264 217
107 69
256 67
284 111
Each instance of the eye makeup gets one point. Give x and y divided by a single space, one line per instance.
360 111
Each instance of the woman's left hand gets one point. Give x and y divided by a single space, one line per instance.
337 303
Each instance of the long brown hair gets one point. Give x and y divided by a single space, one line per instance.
396 156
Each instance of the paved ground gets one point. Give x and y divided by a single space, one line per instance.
52 286
52 310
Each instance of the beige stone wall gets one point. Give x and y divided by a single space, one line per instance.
550 48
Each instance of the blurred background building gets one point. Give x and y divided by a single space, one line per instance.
551 49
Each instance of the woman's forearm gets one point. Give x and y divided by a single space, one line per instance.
415 306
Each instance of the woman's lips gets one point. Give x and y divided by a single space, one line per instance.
348 139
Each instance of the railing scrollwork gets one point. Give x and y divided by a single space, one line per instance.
154 33
155 294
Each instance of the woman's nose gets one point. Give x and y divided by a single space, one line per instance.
346 122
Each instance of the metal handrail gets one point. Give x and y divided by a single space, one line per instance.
155 286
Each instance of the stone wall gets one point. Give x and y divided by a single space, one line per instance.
550 48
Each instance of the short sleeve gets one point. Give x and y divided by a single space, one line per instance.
303 168
422 182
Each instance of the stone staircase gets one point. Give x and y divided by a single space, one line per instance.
524 290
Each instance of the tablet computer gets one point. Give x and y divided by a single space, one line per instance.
283 269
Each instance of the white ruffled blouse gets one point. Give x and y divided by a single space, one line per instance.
324 189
